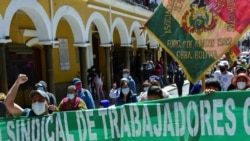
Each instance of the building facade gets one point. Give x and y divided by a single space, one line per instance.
57 40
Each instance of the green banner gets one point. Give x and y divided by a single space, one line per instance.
219 116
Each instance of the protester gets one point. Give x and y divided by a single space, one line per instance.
178 79
115 91
197 87
212 85
145 86
126 74
99 86
40 100
154 93
71 101
241 81
126 95
3 110
223 75
42 85
171 69
84 94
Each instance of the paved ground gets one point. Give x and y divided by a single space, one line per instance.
173 90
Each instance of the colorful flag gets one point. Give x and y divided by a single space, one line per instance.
232 54
197 33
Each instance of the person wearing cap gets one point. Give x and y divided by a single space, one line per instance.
223 75
84 94
126 74
40 100
42 85
241 81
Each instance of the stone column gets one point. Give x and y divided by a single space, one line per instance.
108 66
141 50
3 70
126 55
49 68
83 65
154 55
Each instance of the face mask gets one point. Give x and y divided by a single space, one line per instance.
222 69
125 91
241 85
71 96
145 88
38 108
78 87
125 75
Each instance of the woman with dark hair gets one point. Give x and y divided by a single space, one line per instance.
212 85
126 95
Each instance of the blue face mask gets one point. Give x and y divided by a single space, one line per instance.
125 75
125 91
71 96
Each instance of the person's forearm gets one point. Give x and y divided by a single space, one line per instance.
11 95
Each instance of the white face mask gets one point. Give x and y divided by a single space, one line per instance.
241 85
38 108
71 96
145 88
125 75
125 91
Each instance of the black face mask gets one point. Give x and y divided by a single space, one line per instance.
222 69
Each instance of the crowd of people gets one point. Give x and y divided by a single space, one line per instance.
221 78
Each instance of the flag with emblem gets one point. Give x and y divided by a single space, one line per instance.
196 33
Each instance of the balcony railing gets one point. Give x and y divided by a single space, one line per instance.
146 4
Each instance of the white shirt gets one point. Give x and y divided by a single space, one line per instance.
224 79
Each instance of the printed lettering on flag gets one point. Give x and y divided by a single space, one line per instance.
196 33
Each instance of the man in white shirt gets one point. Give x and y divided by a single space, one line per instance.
223 75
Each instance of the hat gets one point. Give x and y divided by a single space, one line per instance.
125 70
235 78
41 92
223 64
41 85
244 60
76 80
105 103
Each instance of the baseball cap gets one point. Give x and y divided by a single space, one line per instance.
224 63
40 92
76 80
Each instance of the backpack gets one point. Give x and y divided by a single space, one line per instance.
75 104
